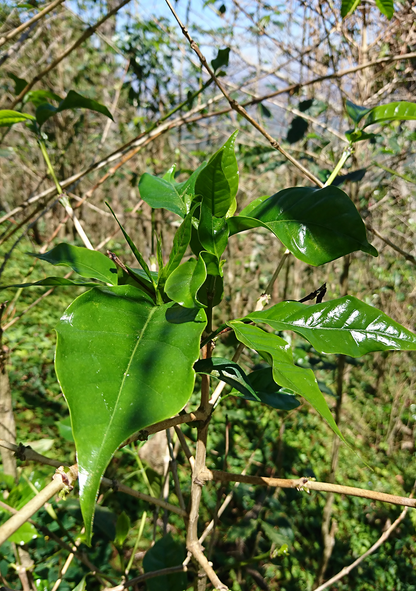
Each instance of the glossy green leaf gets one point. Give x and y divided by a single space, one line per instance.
252 205
81 585
166 553
316 225
345 325
212 231
85 262
356 112
348 7
44 112
268 392
278 354
134 250
217 183
221 60
227 371
123 364
386 7
183 284
8 118
398 111
52 282
122 528
180 244
160 193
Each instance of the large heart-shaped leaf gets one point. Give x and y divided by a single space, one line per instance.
398 111
85 262
278 354
123 364
316 225
217 183
345 325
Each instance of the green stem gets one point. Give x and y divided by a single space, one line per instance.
345 155
49 165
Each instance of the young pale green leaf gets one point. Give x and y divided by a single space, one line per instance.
8 118
184 283
51 282
356 112
122 528
134 250
227 371
123 364
358 135
85 262
348 7
386 7
217 183
277 353
268 392
212 231
166 553
161 193
345 325
222 59
316 225
398 111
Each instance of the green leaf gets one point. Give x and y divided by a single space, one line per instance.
212 231
65 429
85 262
264 111
180 244
25 534
356 112
8 118
122 528
212 291
81 585
222 59
348 7
44 111
227 371
316 225
164 554
160 193
217 183
358 135
268 392
277 353
398 111
73 100
19 83
123 364
38 97
51 282
345 325
183 284
386 7
134 250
